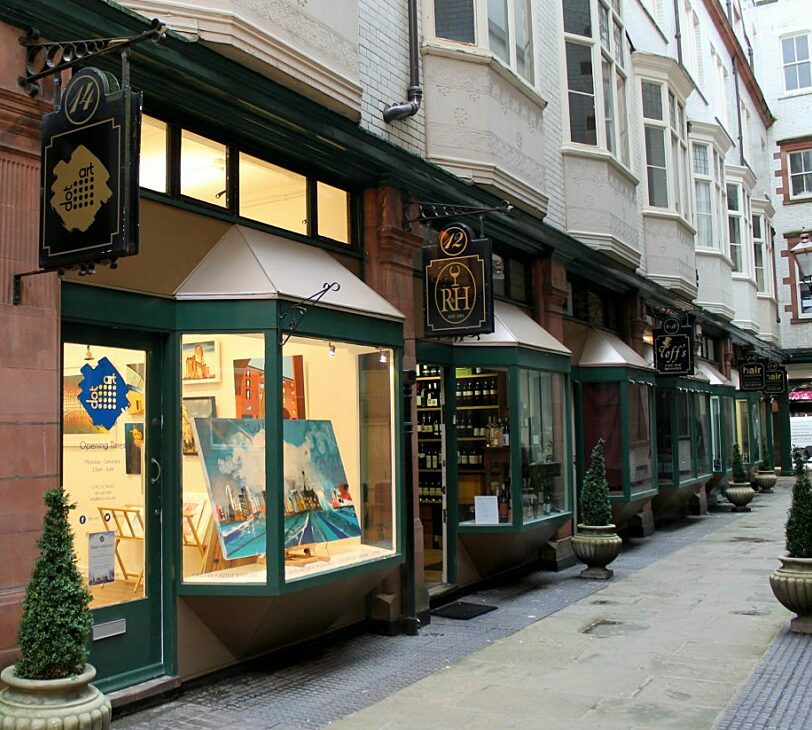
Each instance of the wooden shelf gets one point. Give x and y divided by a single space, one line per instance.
478 375
420 436
428 408
474 408
437 471
429 377
472 438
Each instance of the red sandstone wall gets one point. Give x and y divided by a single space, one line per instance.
29 344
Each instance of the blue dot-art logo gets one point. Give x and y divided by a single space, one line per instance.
103 393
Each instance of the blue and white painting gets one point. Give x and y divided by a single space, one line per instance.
318 505
232 453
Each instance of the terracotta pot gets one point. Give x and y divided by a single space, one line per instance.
55 704
597 546
766 480
792 586
740 494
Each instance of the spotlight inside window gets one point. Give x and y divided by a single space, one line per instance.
331 350
384 357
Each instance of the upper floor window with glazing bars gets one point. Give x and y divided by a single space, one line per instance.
795 55
709 196
504 27
186 165
800 173
595 45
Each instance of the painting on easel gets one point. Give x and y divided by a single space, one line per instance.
232 454
318 505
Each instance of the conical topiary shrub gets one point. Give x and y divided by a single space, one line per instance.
739 492
739 472
595 506
596 543
799 517
56 620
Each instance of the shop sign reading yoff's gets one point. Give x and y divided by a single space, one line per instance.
673 348
89 195
457 283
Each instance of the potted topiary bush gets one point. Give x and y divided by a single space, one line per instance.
792 582
596 543
739 492
765 476
49 686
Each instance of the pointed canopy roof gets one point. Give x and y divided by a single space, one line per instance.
250 264
593 348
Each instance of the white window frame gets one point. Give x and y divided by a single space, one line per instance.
713 186
720 88
737 215
806 194
760 244
610 72
482 35
807 61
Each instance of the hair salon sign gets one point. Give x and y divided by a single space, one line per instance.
457 283
673 348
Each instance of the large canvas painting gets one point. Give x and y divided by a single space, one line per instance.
232 453
318 505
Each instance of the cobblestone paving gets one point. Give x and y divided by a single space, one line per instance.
339 678
778 695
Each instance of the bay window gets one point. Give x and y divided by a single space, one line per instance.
734 226
709 196
504 27
586 51
759 253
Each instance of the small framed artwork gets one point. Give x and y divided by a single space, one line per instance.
200 361
133 446
203 407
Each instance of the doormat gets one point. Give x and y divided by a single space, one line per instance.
462 611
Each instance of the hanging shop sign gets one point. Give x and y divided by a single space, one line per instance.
673 348
90 160
775 378
457 288
751 373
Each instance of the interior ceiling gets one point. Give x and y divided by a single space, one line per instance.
173 242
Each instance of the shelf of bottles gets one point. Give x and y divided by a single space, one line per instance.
429 433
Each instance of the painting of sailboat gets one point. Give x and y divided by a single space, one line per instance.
232 453
318 504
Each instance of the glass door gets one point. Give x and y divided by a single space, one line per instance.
431 473
111 469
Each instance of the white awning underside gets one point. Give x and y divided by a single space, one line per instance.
598 348
711 373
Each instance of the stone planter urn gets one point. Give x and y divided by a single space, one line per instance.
740 494
766 481
792 586
597 546
53 704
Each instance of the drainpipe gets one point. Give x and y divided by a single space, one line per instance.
738 110
678 34
415 92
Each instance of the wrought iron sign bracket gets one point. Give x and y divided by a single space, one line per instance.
17 279
431 212
298 310
47 59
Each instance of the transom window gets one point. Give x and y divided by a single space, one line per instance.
595 37
795 54
800 173
250 188
504 27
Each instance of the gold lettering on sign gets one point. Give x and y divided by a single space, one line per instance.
80 189
455 292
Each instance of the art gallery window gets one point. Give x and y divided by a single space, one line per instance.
504 27
154 140
203 169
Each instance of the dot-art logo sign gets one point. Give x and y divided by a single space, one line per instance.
103 393
80 189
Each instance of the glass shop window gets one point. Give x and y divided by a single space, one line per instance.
640 456
543 440
203 165
339 456
701 412
716 432
743 429
103 467
729 420
755 415
333 212
152 168
683 400
601 412
223 520
483 447
664 400
272 195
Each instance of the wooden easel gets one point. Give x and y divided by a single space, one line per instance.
304 554
213 559
129 526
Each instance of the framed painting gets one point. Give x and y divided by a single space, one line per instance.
200 361
198 407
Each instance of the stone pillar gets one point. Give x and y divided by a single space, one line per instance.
389 260
30 383
726 346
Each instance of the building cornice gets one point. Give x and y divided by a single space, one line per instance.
665 68
713 133
722 25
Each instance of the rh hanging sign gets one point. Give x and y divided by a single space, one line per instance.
457 291
673 348
89 194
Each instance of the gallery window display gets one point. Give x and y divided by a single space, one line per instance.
703 437
483 446
729 423
543 435
335 484
104 471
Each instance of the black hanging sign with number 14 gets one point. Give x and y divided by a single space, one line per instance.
89 194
